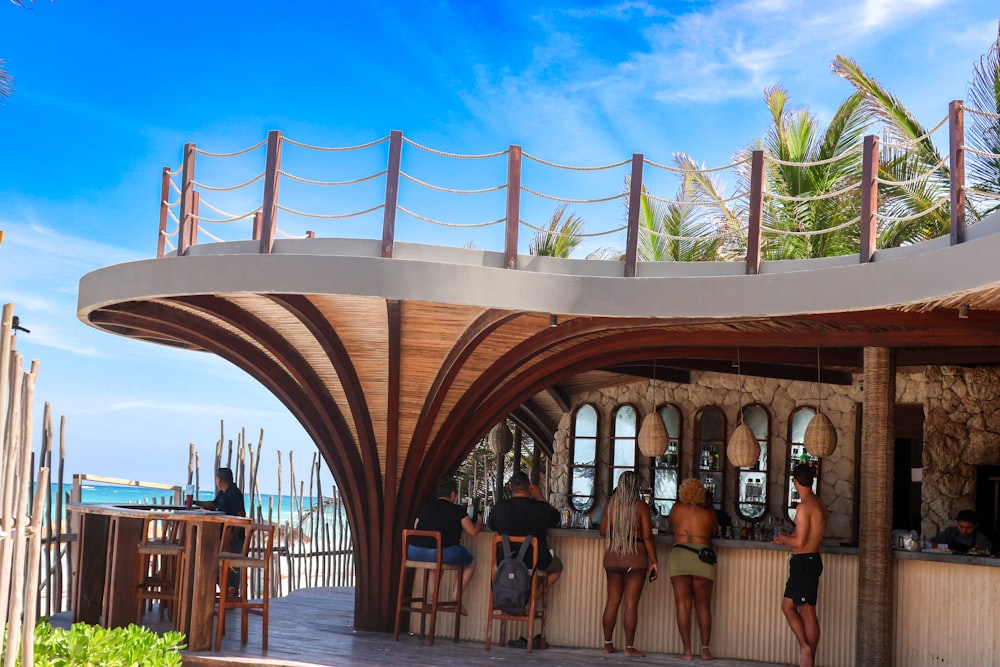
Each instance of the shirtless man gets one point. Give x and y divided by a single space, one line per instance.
805 565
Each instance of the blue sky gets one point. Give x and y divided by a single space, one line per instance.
107 94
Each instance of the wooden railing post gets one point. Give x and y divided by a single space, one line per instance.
391 192
756 212
513 207
634 208
956 139
192 232
258 225
869 198
161 238
187 190
270 204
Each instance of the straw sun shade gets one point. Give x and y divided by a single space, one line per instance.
743 449
501 439
820 438
653 435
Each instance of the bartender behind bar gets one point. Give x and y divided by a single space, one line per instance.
964 536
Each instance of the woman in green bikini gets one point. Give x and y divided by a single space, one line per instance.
692 579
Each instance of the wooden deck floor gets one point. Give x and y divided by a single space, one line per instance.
315 627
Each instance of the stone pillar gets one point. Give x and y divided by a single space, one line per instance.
875 559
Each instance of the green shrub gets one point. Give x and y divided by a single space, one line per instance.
86 645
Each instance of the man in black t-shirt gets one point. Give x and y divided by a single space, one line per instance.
527 513
228 500
444 516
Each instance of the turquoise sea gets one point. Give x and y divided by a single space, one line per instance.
121 495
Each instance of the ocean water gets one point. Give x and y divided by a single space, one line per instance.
122 495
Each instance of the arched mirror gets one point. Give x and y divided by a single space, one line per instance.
624 440
665 469
710 450
583 458
752 481
797 423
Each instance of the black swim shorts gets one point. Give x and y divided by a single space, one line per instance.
803 578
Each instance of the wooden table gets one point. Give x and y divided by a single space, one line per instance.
104 590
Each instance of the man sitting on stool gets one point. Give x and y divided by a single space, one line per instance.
527 513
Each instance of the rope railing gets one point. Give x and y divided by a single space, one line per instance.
715 202
234 153
742 224
495 188
230 187
329 216
914 216
810 232
454 225
570 168
459 156
821 197
818 163
916 140
598 200
333 149
916 179
703 170
978 112
331 183
555 232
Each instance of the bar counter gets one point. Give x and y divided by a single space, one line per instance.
943 615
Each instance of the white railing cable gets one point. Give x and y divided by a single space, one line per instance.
460 156
450 224
829 160
828 195
981 113
970 149
553 232
702 170
234 154
571 168
572 201
229 188
339 216
714 202
229 217
452 190
916 179
910 142
812 232
353 182
331 149
916 215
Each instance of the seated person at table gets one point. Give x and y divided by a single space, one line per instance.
442 515
228 500
527 513
964 536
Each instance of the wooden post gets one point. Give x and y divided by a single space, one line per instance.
756 212
869 198
270 205
187 192
258 225
391 192
875 559
513 207
956 139
161 239
634 208
192 230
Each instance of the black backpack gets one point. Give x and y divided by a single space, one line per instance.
512 581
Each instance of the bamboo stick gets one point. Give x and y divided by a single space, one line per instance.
11 461
59 513
31 580
19 565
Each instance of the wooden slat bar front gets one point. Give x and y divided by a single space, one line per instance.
746 604
105 589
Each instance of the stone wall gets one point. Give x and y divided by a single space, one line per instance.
961 431
837 483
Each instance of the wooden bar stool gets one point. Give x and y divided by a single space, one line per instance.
423 604
537 602
254 556
161 572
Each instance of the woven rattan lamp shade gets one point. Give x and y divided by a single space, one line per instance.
501 439
653 435
820 438
743 449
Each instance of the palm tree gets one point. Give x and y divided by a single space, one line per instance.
677 231
562 237
809 175
983 132
6 81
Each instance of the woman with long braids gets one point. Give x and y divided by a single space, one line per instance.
628 560
693 525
